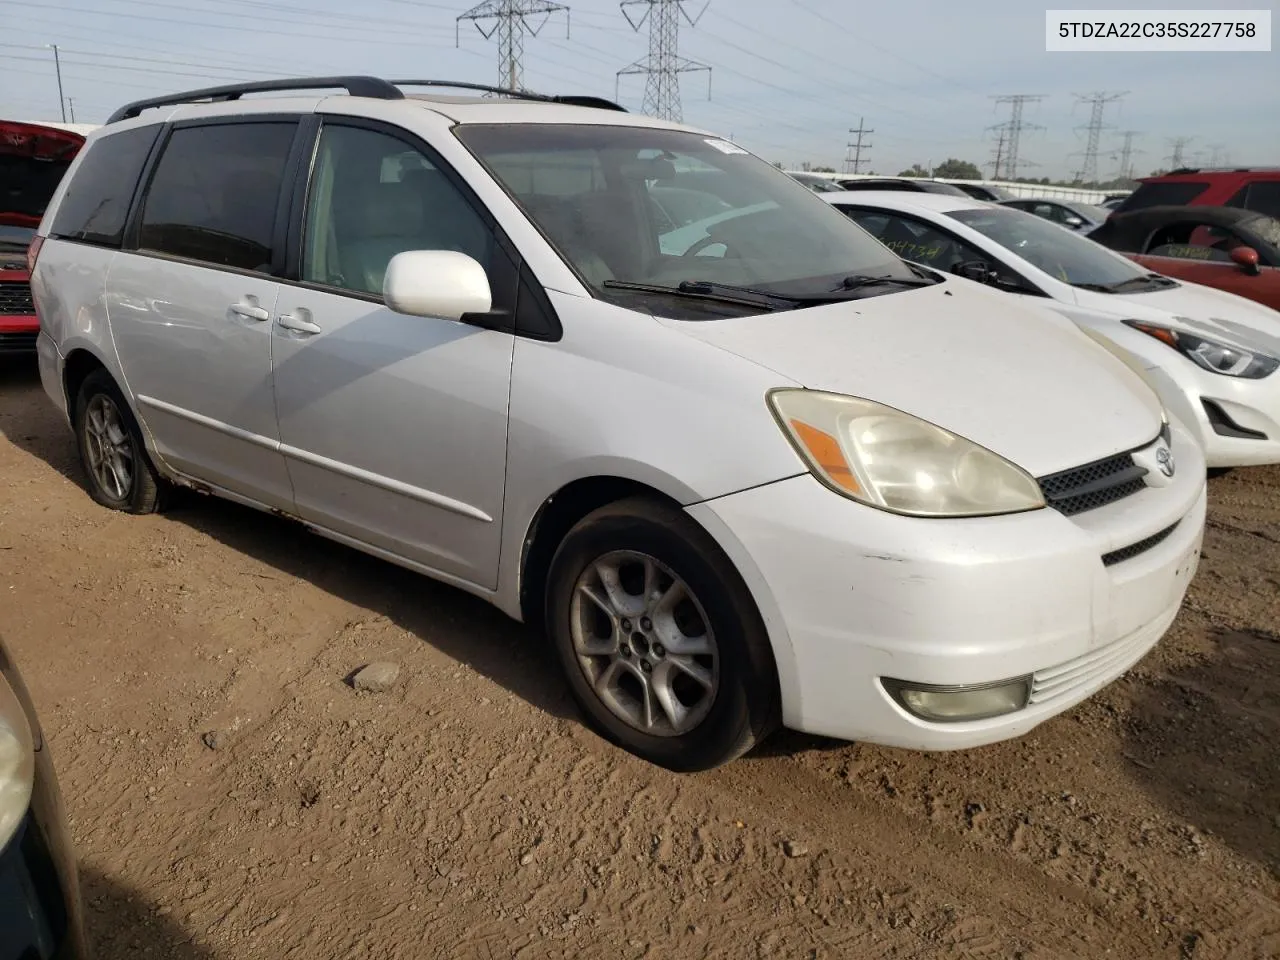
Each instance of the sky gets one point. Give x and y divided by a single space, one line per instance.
789 77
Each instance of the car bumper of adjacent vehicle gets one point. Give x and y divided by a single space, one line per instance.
1236 421
18 334
40 912
861 603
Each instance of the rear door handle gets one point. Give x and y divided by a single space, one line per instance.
300 322
250 311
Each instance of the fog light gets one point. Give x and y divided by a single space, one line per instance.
953 704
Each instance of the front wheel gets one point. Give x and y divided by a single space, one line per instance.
120 473
659 638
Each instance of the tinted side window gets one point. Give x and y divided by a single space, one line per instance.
214 194
1174 194
373 196
96 202
1264 197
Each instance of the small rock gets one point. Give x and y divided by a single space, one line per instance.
212 739
794 848
376 677
526 859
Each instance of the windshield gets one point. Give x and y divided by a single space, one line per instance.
659 207
15 239
1268 228
1062 254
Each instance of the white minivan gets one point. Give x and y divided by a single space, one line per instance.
743 465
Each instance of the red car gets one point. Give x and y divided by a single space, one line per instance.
1224 247
1248 188
33 159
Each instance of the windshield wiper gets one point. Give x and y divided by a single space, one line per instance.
859 281
1145 280
719 292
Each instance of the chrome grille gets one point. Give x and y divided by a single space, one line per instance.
15 298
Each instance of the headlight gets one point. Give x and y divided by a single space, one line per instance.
891 460
17 763
1212 356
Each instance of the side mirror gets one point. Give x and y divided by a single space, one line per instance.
1247 258
436 283
1075 223
974 270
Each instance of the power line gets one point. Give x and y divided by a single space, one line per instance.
663 65
510 21
853 160
1013 129
1088 172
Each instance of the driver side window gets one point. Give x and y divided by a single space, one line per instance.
372 196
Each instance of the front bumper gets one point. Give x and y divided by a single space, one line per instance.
18 334
1237 422
851 595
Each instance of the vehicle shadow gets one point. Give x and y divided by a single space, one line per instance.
464 627
1205 741
121 923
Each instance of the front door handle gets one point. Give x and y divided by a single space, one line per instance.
250 311
300 321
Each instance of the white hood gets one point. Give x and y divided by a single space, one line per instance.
1214 314
1013 376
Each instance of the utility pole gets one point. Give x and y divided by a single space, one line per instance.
509 19
1219 157
853 161
71 104
663 64
1126 154
998 158
1098 101
1179 146
57 66
1014 127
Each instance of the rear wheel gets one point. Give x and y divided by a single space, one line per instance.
119 471
659 638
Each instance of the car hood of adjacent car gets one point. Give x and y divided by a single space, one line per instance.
1015 377
1204 311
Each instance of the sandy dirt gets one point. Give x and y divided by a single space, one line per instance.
468 813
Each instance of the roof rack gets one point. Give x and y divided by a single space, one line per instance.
575 100
373 87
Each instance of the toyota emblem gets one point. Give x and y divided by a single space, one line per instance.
1164 458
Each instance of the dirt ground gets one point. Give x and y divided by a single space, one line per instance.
468 813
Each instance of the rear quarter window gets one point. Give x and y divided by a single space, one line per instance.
96 202
1173 193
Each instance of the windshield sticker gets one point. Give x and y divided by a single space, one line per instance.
724 146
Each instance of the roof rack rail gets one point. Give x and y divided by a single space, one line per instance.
373 87
600 103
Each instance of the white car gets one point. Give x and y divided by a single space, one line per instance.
1212 355
762 472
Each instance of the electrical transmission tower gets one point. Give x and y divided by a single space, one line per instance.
1098 101
1179 146
1218 157
1012 130
853 160
1126 154
509 19
663 65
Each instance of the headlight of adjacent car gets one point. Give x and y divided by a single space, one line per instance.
891 460
1212 356
17 763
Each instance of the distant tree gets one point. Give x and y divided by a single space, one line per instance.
824 169
954 169
915 171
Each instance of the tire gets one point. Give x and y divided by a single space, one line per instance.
716 724
145 491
